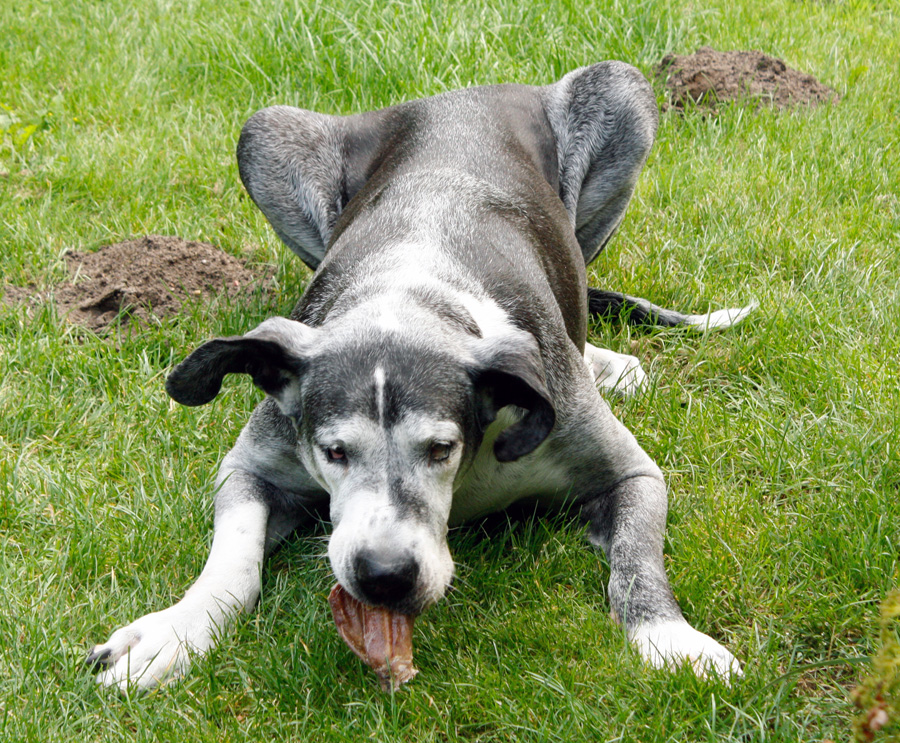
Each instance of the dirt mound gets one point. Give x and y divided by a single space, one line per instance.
138 280
708 77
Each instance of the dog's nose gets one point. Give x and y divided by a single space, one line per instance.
385 580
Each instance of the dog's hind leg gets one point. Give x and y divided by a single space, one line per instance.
159 646
303 168
291 164
628 522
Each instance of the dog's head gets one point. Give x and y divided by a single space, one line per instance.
385 425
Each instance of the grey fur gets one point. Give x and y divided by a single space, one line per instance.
435 368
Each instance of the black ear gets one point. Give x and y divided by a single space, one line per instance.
510 372
272 355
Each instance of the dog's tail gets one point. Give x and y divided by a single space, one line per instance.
638 311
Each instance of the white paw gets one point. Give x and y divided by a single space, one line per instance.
670 644
615 372
152 650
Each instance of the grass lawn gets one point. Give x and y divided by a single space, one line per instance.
779 438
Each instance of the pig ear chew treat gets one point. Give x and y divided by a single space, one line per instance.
382 639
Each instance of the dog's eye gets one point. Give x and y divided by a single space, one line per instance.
440 451
335 454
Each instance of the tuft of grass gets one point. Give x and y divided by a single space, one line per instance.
778 437
878 695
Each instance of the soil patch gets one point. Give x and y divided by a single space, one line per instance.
136 281
708 77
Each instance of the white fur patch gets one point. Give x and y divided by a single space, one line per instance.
720 318
379 393
615 372
386 317
674 642
489 486
491 319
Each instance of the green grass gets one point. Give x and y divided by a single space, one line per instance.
779 438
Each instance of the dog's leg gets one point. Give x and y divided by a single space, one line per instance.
159 646
615 372
628 522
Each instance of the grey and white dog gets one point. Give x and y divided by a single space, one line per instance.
436 369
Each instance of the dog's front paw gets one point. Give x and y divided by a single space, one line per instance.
152 650
672 643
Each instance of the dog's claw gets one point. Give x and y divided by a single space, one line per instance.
98 661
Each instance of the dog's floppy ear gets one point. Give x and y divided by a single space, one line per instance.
509 371
273 354
604 119
302 168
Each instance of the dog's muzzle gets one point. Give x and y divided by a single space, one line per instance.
386 579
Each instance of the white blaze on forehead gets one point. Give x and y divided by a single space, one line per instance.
379 393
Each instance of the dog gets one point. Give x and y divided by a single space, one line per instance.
436 368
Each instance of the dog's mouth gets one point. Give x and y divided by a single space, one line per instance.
382 639
411 602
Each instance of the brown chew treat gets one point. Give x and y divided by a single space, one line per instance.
382 639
